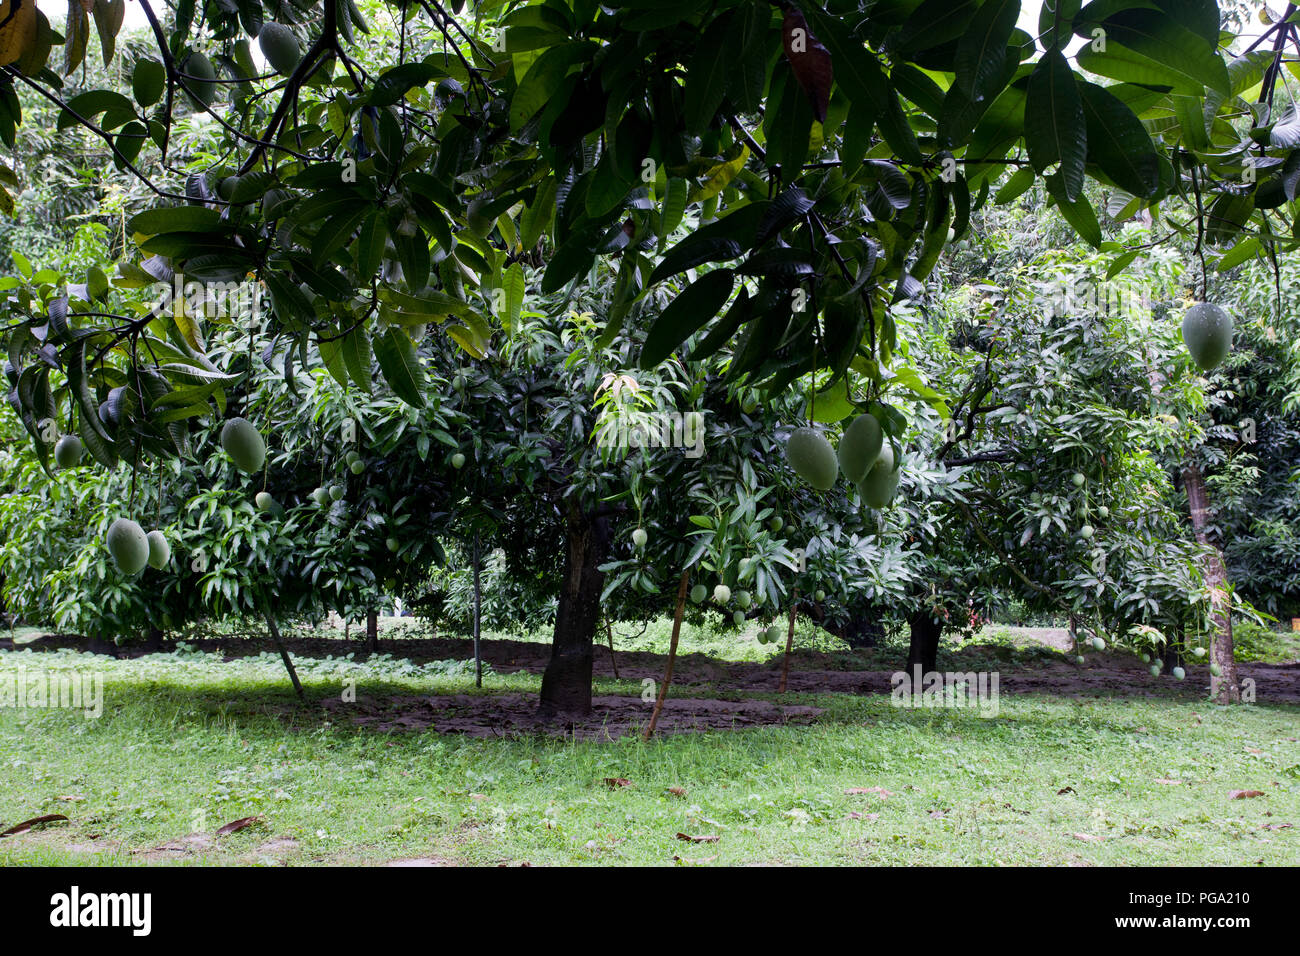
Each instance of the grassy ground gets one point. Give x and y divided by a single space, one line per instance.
188 742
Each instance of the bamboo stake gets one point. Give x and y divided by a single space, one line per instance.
609 630
789 643
672 655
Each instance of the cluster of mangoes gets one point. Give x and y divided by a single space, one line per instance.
863 457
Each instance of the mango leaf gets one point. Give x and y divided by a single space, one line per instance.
727 326
355 348
543 79
719 177
809 60
674 207
1159 37
1118 144
933 23
400 364
1055 128
685 315
1243 250
1056 21
982 50
707 75
1015 186
514 297
394 83
88 105
153 222
692 251
1077 212
472 333
77 35
108 21
832 404
573 258
791 205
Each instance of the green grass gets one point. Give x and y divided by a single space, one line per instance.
1266 645
188 743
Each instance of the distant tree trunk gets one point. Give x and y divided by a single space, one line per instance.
924 646
1174 650
478 613
372 631
862 629
153 640
1225 689
566 684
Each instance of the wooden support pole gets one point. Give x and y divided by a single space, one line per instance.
672 655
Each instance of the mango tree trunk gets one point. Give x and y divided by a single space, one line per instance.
372 631
566 684
924 646
1225 689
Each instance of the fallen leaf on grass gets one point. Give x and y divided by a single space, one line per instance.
878 791
615 782
869 817
705 838
677 791
478 796
71 798
1252 750
1065 790
1276 826
34 821
1245 794
1086 836
243 823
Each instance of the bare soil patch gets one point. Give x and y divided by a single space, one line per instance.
506 715
810 672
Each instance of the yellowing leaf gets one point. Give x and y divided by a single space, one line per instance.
718 177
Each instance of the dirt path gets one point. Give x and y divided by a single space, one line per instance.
811 672
504 715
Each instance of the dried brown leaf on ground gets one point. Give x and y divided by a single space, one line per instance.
243 823
33 822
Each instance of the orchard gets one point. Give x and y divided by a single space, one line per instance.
655 372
